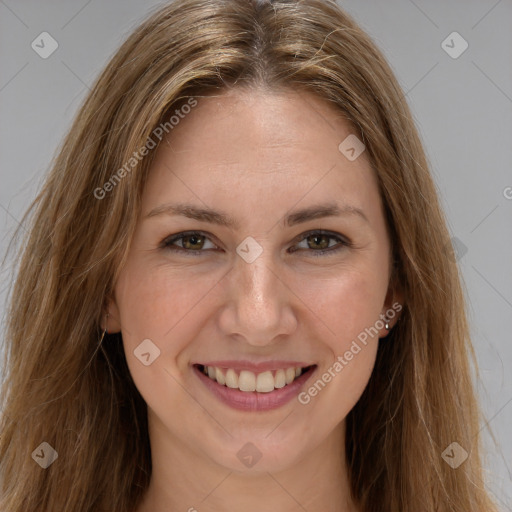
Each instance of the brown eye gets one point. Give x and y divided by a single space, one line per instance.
188 242
320 241
317 243
193 242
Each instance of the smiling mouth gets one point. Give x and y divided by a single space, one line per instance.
245 380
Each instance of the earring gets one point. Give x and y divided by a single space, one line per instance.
386 325
105 330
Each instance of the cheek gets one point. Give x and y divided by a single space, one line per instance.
336 390
349 306
345 303
156 304
166 305
346 308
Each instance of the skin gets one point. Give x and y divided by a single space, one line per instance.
257 156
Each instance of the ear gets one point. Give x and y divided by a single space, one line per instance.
392 308
111 318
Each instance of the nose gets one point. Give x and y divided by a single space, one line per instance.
259 304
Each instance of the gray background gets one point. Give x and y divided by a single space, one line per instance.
462 106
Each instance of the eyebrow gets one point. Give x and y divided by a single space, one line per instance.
222 219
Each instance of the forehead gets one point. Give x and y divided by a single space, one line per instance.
240 120
253 148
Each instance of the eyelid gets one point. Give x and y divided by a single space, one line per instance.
343 241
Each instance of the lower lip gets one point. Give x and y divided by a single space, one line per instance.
252 400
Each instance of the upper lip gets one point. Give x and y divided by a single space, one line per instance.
256 367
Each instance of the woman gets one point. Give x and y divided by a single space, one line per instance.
238 288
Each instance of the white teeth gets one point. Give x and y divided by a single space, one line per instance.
231 379
264 382
220 376
247 381
280 379
289 375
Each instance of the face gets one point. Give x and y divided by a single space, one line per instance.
242 268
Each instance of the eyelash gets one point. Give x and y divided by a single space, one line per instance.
167 242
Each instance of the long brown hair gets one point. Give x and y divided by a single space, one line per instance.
68 386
